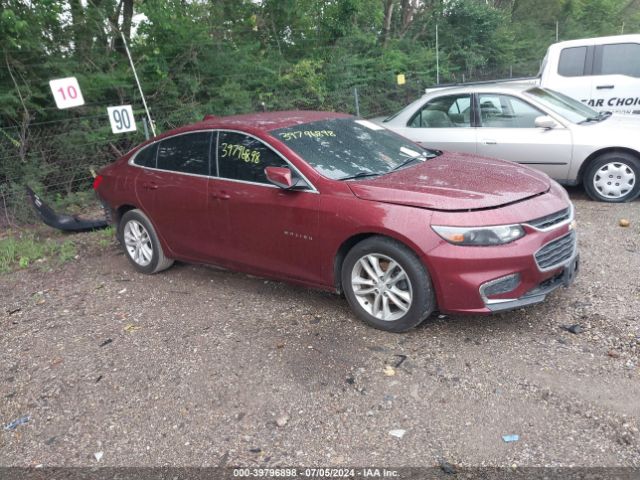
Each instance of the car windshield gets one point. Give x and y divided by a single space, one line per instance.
345 148
567 107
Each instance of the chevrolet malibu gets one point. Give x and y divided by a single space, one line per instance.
341 204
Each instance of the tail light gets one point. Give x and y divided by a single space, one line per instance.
97 181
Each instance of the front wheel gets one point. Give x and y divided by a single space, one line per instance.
613 177
386 285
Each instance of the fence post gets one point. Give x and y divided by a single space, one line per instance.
437 58
146 128
355 96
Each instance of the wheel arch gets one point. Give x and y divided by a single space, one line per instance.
121 210
603 151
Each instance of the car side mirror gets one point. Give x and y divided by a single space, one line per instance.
282 177
546 122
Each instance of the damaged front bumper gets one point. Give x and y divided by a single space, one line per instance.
538 294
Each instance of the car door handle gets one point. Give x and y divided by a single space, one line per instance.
488 141
150 186
605 87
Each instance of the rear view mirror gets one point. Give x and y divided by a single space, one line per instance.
283 178
545 121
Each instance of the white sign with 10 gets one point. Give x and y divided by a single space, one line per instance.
66 92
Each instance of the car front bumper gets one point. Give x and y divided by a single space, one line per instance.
461 274
539 293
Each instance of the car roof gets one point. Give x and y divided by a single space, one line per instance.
250 122
268 121
581 42
498 87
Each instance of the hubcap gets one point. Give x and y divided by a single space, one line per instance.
138 243
614 180
382 287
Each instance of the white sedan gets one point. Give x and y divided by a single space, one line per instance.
534 126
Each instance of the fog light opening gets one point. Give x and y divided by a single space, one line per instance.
500 286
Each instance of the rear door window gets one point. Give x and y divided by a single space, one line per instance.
618 59
187 153
572 61
449 111
242 157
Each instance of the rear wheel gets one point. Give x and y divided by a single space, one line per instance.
613 177
386 285
140 242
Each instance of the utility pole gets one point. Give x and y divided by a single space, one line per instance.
557 30
135 74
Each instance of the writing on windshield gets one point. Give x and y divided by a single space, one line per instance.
343 148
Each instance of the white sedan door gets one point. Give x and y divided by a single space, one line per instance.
508 132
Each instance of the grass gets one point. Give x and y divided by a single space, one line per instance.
104 237
46 248
28 249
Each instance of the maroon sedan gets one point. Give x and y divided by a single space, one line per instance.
338 203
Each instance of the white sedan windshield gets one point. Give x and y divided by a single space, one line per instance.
567 107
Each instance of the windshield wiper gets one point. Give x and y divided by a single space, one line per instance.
407 162
362 175
598 118
424 156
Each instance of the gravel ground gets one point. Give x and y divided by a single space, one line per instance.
198 366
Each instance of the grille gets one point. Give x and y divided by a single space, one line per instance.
556 252
549 221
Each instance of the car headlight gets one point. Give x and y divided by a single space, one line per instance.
480 236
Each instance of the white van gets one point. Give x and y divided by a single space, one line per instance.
602 72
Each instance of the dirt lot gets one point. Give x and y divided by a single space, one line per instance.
198 366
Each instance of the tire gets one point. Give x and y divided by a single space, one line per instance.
613 177
404 288
140 243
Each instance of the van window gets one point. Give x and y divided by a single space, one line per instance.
618 59
572 61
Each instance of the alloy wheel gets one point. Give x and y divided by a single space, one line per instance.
382 287
138 243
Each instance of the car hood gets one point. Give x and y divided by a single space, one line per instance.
618 120
617 130
454 181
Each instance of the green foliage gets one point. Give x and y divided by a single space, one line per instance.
233 56
104 237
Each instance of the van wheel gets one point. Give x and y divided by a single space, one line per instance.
613 177
140 242
386 285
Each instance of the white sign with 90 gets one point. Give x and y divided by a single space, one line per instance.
121 118
66 92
